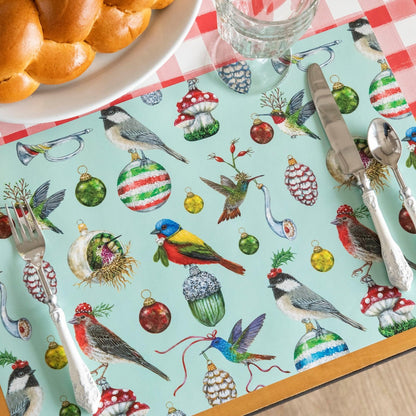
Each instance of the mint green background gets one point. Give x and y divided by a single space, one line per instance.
245 297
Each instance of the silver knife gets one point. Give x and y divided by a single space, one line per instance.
398 270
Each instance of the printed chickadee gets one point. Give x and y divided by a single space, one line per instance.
129 134
365 40
24 395
301 303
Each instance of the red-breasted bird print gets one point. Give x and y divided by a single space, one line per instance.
101 344
182 247
360 241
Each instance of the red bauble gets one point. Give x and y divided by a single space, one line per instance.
154 316
406 222
5 230
261 132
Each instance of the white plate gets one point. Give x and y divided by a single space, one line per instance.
111 75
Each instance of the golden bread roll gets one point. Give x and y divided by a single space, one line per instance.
67 20
55 41
20 36
114 29
17 87
57 63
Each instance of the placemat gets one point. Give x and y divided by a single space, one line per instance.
171 247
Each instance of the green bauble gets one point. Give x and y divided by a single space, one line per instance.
346 98
69 409
89 191
248 244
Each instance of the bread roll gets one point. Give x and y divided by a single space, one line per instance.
20 36
60 62
114 29
67 20
17 87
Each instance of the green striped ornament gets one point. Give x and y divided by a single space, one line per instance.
143 185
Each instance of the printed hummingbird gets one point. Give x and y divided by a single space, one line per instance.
234 193
290 121
235 348
182 247
42 206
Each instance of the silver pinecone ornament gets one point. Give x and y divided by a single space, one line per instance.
218 385
33 284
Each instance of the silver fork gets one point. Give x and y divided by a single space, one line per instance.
30 244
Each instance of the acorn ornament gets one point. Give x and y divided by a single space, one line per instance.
322 260
202 290
55 355
69 409
154 317
248 244
261 132
218 386
172 411
405 221
301 182
346 98
89 191
193 203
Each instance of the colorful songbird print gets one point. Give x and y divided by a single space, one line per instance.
183 247
234 193
101 344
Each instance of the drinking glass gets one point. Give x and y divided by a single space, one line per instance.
253 49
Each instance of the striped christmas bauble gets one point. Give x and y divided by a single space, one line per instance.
143 185
386 96
316 348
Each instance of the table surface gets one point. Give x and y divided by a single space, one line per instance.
392 21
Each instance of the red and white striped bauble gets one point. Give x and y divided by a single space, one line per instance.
33 284
386 96
143 185
301 182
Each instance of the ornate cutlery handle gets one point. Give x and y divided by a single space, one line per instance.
86 391
398 270
410 203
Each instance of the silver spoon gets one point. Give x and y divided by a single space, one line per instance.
386 147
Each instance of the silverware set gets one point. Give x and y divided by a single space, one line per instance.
30 245
386 148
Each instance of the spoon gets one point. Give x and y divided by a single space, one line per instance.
386 148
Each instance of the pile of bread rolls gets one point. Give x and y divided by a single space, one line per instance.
55 41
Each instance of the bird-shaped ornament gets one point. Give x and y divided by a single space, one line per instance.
182 247
100 344
290 120
42 205
296 300
130 134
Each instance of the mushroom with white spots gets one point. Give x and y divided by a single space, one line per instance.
403 308
138 409
195 107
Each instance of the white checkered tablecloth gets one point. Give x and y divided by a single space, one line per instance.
393 21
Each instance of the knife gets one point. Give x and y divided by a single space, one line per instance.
398 270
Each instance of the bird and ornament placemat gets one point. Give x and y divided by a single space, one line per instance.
204 243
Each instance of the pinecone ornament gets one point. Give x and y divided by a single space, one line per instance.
218 385
236 76
33 284
301 182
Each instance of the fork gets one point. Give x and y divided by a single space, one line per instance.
30 244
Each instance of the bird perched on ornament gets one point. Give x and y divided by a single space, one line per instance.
359 241
100 344
129 134
182 247
296 300
365 40
290 120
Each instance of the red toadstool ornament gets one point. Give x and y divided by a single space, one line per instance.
195 113
138 409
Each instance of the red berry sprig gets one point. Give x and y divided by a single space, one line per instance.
234 157
278 259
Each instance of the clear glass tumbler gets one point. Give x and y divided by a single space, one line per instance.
261 33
